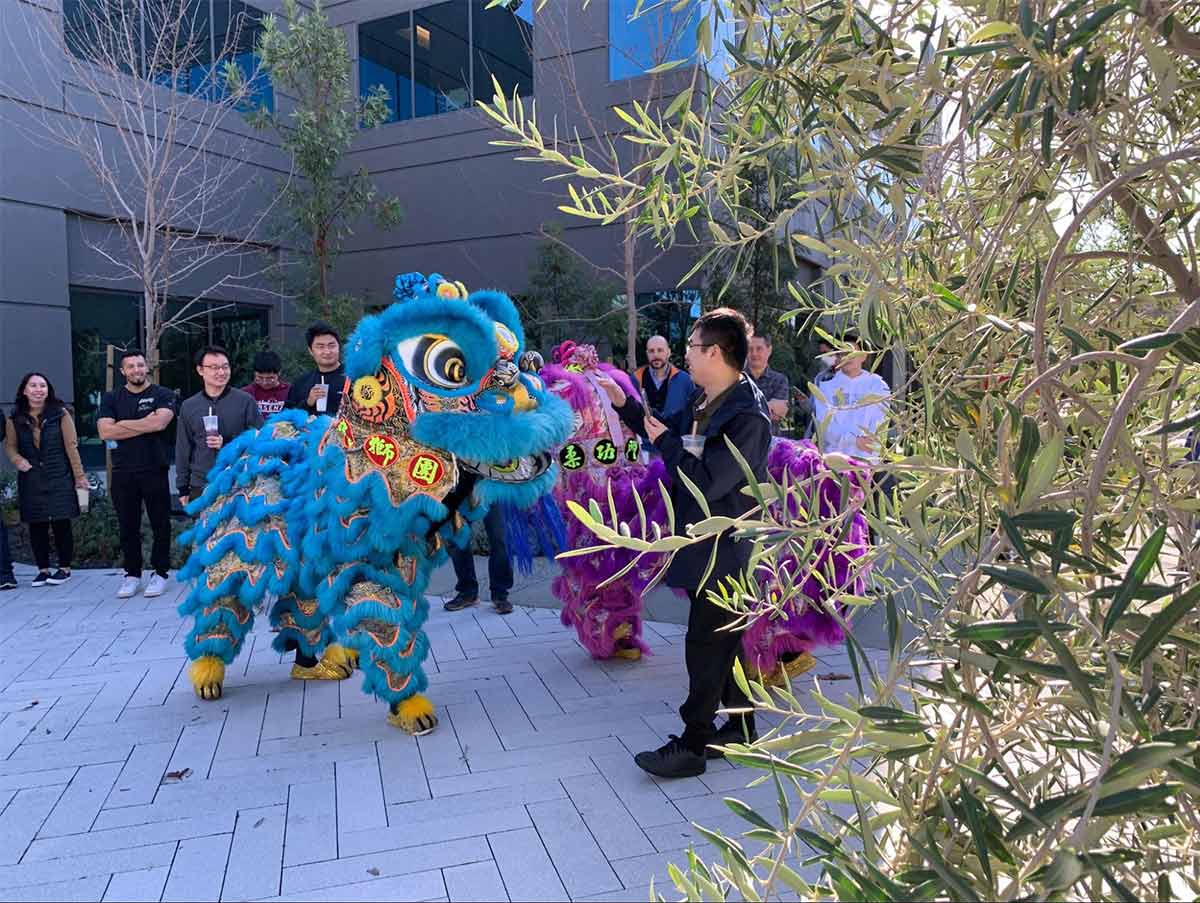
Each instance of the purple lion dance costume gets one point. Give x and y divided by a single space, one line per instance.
772 644
602 454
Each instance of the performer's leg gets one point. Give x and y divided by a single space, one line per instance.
304 630
214 641
383 625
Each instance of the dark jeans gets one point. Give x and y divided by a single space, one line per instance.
500 572
6 565
709 653
130 492
64 541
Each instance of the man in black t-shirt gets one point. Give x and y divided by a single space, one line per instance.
320 391
133 422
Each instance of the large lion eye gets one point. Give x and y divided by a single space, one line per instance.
434 359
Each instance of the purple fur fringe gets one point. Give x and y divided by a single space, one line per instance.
807 623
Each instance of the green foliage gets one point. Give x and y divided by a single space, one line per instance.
1008 193
567 300
307 59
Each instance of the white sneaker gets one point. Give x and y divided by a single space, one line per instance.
155 587
129 587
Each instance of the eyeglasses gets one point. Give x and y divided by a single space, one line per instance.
216 368
701 344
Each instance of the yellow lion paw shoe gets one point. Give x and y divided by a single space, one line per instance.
337 663
414 715
207 675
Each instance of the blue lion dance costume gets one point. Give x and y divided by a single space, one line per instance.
337 522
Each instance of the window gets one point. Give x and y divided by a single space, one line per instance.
441 43
657 36
440 58
667 313
503 48
181 44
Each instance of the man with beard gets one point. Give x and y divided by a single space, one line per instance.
133 421
666 388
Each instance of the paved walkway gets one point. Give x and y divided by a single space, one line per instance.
116 783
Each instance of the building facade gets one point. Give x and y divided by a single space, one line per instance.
471 210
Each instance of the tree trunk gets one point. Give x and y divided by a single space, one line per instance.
322 268
631 296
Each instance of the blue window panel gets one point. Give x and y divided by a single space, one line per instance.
441 58
655 37
385 58
503 47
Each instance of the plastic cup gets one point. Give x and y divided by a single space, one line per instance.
211 425
323 398
84 496
693 445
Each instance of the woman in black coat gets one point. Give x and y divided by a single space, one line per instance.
42 444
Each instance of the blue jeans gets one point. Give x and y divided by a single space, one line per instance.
500 572
6 565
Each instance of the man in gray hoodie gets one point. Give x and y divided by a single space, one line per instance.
213 416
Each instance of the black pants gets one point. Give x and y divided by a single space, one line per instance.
64 541
500 572
709 653
130 492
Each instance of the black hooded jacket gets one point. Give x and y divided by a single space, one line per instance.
742 417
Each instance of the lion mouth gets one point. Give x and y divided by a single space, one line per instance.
514 470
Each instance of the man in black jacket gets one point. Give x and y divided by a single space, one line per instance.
727 405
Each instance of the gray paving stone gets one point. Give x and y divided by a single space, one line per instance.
198 870
399 889
581 866
21 820
401 768
256 855
32 874
503 777
196 748
360 803
135 887
615 830
23 779
321 701
80 803
284 707
355 869
143 773
82 889
128 837
525 866
415 832
527 790
641 796
477 881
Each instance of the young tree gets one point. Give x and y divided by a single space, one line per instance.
309 60
565 301
596 137
1037 162
153 134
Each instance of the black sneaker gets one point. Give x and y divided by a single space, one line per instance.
460 601
58 577
8 581
503 606
729 732
42 578
671 760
